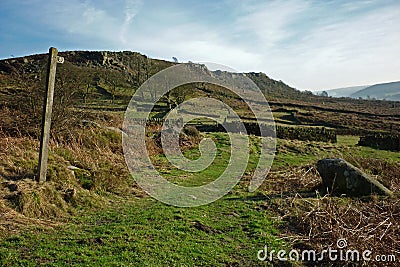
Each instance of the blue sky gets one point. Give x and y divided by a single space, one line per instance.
308 44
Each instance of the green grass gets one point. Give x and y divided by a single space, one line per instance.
146 232
292 153
212 172
367 152
296 153
347 140
348 144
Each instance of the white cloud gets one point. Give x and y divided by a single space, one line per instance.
309 44
191 42
270 23
357 50
87 20
316 47
132 7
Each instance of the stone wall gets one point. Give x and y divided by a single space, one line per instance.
381 141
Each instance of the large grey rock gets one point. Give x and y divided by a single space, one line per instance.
340 177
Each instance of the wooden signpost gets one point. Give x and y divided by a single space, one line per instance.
46 116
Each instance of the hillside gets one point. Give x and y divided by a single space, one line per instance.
389 91
344 92
133 69
90 79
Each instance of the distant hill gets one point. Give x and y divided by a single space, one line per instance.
345 91
388 91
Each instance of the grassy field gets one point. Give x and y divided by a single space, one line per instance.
137 231
146 232
142 231
96 215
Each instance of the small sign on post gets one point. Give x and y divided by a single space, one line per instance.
46 116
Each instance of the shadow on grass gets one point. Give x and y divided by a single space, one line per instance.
317 191
20 176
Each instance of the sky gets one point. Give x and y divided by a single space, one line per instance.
310 45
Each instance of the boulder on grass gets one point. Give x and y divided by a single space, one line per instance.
340 177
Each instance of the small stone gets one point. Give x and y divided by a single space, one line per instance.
72 168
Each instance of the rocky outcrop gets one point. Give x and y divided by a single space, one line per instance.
340 177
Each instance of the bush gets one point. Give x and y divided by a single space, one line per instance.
191 131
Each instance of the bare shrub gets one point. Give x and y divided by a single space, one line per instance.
312 221
318 223
24 103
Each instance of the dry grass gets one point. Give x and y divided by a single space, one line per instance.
86 168
12 222
288 182
317 222
387 172
19 193
95 152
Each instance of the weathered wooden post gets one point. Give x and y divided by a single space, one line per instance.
46 116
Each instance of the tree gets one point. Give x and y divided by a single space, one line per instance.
21 115
324 93
182 92
308 92
87 83
66 92
113 79
27 104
